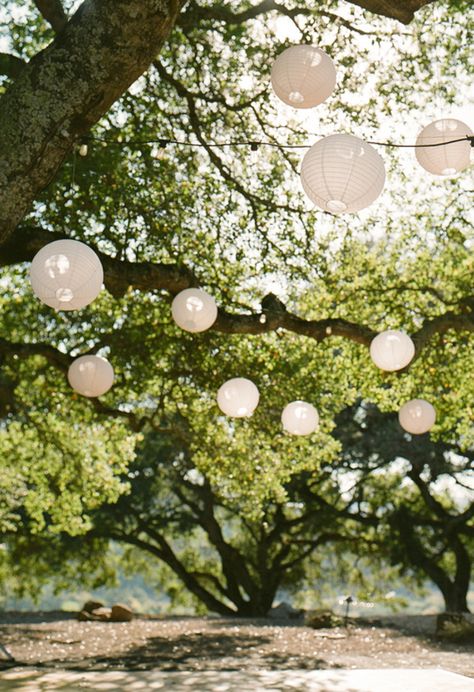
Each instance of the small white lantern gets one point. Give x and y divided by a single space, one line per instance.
303 76
194 310
417 416
342 173
238 397
91 375
66 275
449 158
392 350
300 418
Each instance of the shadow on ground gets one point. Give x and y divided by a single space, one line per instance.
196 651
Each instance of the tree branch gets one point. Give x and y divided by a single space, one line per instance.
394 9
61 361
11 65
119 275
67 87
194 120
164 552
53 12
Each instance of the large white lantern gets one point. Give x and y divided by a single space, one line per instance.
300 418
66 275
417 416
194 310
449 158
392 350
342 173
91 375
238 397
303 76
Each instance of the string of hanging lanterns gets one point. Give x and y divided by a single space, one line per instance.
68 275
339 173
342 173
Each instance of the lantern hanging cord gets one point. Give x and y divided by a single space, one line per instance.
255 144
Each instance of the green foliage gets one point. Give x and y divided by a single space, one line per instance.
239 220
55 473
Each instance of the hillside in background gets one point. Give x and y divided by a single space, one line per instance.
142 597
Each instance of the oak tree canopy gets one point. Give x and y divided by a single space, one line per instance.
154 88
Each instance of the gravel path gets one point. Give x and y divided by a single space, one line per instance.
213 644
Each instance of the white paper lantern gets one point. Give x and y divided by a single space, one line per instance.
66 275
303 76
342 173
392 350
238 397
194 310
449 158
300 418
417 416
91 375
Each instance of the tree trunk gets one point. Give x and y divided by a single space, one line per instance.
257 607
454 591
455 600
67 88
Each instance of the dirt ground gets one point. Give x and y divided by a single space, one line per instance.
192 644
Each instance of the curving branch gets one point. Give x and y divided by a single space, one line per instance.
194 120
120 275
393 9
53 12
61 361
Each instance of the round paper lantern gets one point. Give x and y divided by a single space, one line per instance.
238 397
342 173
417 416
91 375
303 76
300 418
392 350
66 275
194 310
449 158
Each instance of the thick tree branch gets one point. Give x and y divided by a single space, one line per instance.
53 12
164 552
233 562
403 11
11 65
119 275
67 87
394 9
148 276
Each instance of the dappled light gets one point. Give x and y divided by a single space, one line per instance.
236 345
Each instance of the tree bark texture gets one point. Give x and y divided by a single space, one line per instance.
68 87
402 10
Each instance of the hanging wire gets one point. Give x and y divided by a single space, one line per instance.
254 144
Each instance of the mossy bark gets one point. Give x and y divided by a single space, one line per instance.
68 87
